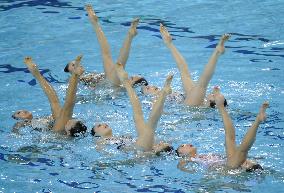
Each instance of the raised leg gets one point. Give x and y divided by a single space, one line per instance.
124 51
146 134
249 138
159 104
137 109
67 110
47 88
180 61
209 69
228 125
109 67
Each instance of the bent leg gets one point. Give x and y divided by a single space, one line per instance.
211 65
67 110
249 138
180 61
124 51
109 67
159 104
47 88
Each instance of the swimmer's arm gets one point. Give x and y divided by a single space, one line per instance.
181 166
19 125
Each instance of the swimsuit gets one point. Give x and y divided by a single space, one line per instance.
92 79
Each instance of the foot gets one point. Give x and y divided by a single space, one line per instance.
78 68
221 45
218 97
122 74
30 64
92 15
78 59
133 27
167 86
262 113
165 35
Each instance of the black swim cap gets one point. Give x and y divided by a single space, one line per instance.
93 133
213 104
140 81
254 168
66 68
78 128
166 149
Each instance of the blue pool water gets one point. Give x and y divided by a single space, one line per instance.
54 32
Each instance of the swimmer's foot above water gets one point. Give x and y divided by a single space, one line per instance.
221 45
133 28
218 97
167 87
78 69
92 15
122 74
30 64
262 114
165 35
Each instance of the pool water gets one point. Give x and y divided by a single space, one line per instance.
55 32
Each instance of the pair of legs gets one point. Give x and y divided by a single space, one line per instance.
145 129
195 91
109 65
61 115
237 155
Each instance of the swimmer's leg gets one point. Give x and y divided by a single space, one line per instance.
159 104
124 51
67 109
109 67
47 88
230 140
211 65
137 109
249 138
180 61
145 134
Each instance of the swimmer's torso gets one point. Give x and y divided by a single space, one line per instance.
120 142
209 160
42 123
92 79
